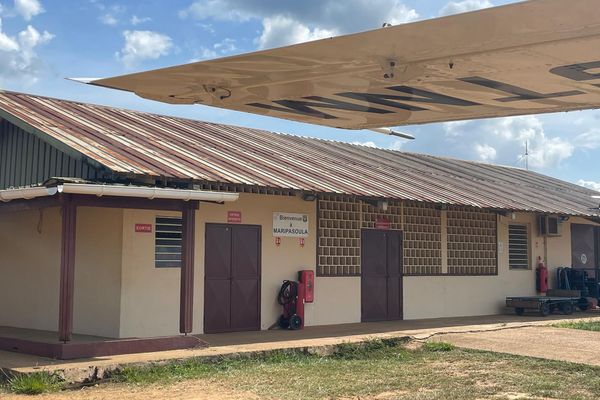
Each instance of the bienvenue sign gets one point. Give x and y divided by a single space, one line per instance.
290 225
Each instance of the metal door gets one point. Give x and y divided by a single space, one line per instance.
381 275
583 246
232 278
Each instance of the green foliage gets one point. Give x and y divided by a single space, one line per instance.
584 325
35 383
385 368
438 346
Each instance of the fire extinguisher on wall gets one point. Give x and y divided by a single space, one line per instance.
541 275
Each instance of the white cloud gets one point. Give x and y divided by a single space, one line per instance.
222 48
204 54
544 152
28 8
454 128
111 15
19 57
280 31
486 152
589 140
292 22
401 14
589 184
365 144
218 9
225 46
108 19
7 43
457 7
143 45
502 140
135 20
395 145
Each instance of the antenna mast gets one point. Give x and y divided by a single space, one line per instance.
527 155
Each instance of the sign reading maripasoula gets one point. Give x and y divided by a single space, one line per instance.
290 225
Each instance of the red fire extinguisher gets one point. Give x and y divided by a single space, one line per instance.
541 273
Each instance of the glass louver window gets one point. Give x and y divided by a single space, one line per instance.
518 246
168 240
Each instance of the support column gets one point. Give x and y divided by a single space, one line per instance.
186 307
444 236
67 269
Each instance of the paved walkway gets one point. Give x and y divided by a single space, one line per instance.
320 336
546 342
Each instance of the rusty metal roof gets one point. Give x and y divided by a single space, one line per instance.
132 142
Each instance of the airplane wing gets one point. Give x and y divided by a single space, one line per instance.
534 57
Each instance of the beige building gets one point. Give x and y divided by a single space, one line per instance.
118 224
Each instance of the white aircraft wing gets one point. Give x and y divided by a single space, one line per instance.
538 56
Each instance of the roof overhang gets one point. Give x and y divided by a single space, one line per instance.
118 190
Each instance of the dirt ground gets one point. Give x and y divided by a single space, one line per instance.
545 342
188 390
562 344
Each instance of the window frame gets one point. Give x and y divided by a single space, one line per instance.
166 263
527 247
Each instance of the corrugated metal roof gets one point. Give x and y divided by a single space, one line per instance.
128 141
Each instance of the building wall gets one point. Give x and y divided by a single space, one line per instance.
452 296
30 270
150 299
119 292
149 295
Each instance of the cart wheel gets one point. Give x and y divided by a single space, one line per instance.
519 310
583 304
295 322
567 308
544 309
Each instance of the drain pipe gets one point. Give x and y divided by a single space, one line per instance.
147 192
117 190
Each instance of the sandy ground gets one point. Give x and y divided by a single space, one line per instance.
572 345
188 390
536 341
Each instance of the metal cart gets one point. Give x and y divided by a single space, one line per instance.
545 305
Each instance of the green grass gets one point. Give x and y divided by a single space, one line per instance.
584 325
438 346
435 371
36 383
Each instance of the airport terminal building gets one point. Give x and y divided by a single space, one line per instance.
117 224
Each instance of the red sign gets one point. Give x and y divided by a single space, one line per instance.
382 223
143 228
234 217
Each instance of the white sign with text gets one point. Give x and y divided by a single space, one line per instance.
290 225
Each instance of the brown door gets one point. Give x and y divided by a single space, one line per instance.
381 275
583 246
232 278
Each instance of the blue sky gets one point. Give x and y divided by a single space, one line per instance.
44 41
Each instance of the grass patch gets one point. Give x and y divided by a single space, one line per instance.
438 346
584 325
35 383
435 371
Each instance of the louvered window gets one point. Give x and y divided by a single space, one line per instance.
167 250
518 246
